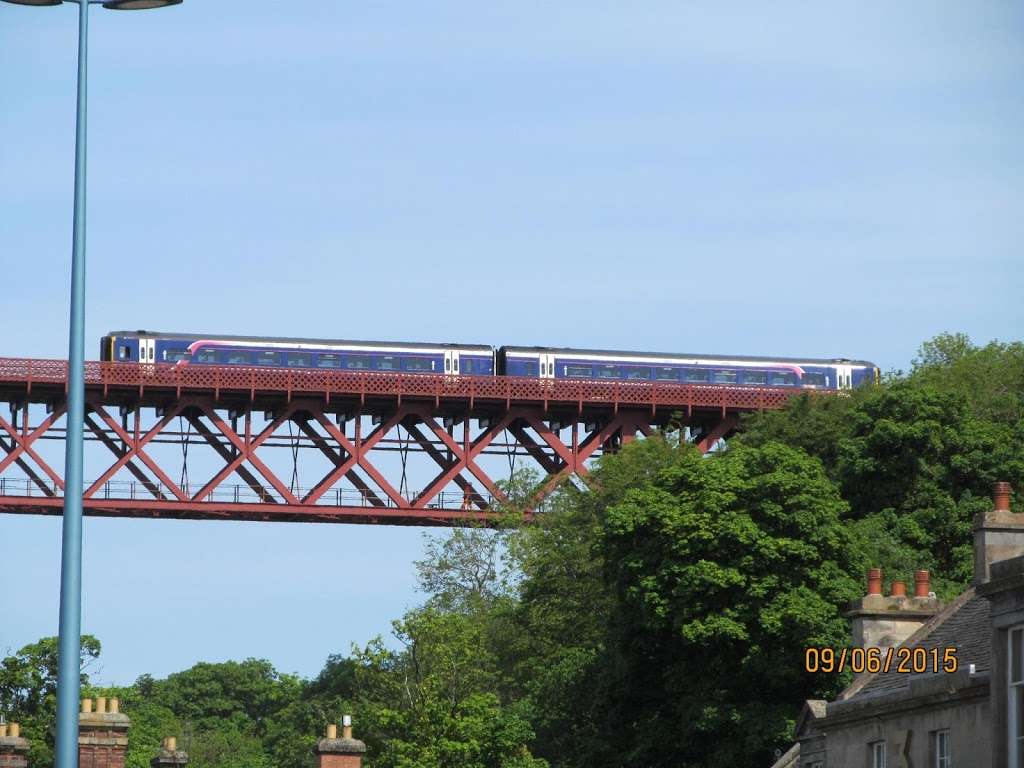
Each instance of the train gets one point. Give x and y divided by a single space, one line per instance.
452 359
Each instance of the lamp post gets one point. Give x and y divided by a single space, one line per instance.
70 630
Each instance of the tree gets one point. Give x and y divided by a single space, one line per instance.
724 569
432 703
916 457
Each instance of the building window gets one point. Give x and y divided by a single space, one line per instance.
1015 689
877 752
940 748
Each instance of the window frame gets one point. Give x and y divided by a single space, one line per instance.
268 358
940 758
1014 696
225 355
578 371
877 754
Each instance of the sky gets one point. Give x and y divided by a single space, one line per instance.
836 179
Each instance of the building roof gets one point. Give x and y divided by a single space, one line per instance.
963 624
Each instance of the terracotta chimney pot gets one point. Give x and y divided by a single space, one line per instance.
101 705
14 730
332 731
899 589
922 584
3 730
1001 493
86 706
874 581
114 706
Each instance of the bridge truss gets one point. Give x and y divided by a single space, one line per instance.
202 442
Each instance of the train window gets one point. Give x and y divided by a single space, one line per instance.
124 352
174 355
814 379
666 374
579 371
235 357
634 372
530 368
608 372
725 377
268 358
299 359
388 363
328 360
783 379
696 374
467 365
206 356
417 364
359 362
755 377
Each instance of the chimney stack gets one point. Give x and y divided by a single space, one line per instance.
13 748
884 622
169 755
345 752
102 734
998 535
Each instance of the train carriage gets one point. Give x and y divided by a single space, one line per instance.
484 360
604 365
267 352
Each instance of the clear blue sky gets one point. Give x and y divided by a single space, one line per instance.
826 179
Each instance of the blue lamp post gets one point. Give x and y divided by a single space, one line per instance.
68 680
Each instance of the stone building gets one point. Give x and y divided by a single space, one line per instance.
972 717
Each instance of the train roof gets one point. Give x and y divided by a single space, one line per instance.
686 356
297 340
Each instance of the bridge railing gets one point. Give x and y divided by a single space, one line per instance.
132 490
252 380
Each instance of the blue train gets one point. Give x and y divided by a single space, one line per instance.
483 360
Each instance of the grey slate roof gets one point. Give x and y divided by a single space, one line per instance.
963 624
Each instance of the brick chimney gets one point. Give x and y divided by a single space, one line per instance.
102 734
169 754
13 748
884 622
998 535
345 752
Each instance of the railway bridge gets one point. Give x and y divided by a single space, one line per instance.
230 443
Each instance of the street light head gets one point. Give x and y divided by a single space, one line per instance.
34 2
138 5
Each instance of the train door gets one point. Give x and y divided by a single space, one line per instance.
147 350
844 377
451 362
547 366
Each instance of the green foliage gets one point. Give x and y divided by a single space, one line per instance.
916 457
28 691
431 703
724 568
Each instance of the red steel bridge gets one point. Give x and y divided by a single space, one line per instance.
236 443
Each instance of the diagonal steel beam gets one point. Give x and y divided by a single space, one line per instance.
137 445
431 450
120 452
225 453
